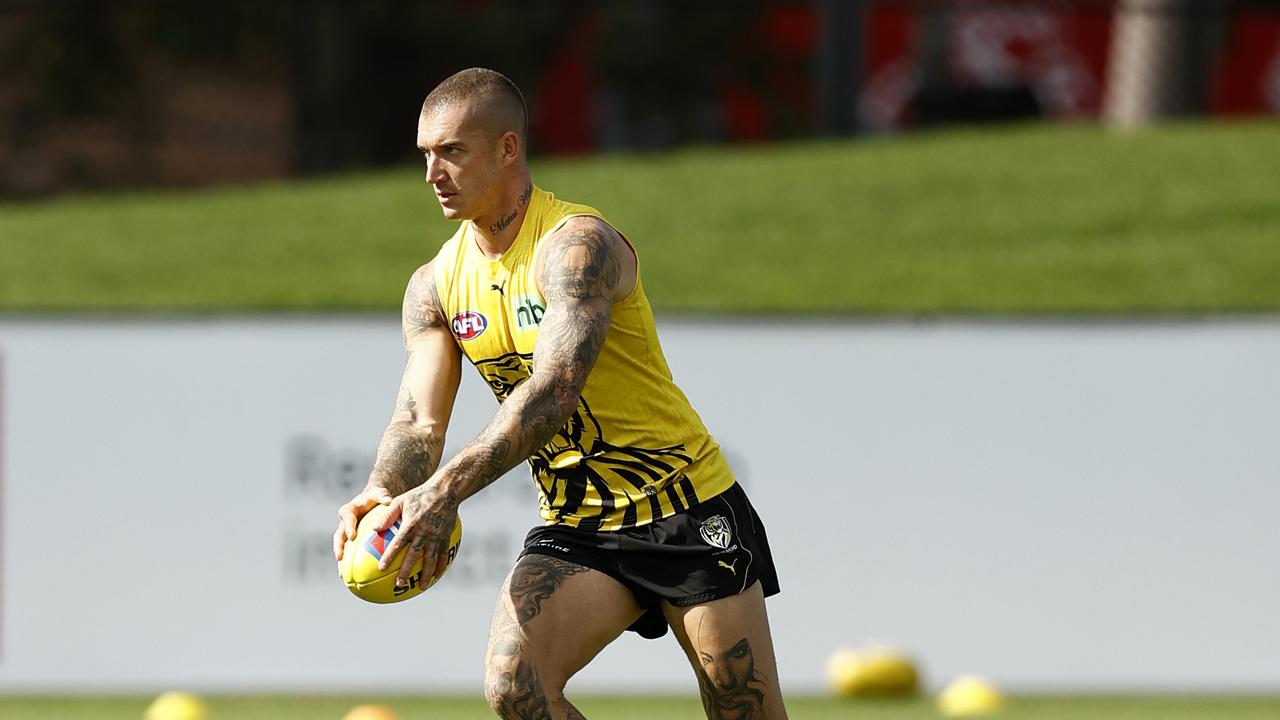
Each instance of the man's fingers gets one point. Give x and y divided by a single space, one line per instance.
393 548
394 508
339 542
347 519
442 562
411 557
349 516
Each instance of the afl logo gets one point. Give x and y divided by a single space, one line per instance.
468 324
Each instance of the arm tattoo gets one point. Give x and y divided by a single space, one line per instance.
421 308
579 276
405 401
581 263
406 458
436 530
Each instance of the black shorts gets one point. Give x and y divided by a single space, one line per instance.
714 549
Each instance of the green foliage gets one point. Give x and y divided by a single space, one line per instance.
1023 220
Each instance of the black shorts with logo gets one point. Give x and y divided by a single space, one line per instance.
714 549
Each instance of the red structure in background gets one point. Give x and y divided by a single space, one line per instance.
142 94
1060 54
561 121
1055 55
1246 80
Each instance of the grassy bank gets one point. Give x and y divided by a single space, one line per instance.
1044 219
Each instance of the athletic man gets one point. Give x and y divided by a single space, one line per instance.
645 526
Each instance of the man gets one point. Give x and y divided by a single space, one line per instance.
645 526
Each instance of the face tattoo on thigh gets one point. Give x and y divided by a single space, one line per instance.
731 687
534 579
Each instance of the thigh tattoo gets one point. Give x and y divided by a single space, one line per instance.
732 688
534 579
511 684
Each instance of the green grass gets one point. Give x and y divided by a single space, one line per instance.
1039 219
646 708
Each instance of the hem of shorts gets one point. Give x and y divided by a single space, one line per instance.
709 596
598 567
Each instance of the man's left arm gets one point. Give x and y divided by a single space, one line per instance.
581 275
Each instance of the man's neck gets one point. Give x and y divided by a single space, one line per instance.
496 231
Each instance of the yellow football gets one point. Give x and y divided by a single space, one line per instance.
370 712
359 565
872 672
177 706
968 696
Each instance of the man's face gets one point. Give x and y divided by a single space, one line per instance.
464 162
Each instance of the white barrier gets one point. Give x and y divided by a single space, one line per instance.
1063 506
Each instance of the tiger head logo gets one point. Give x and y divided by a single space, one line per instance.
579 437
715 531
578 455
505 373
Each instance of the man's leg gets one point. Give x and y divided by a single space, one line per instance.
552 617
729 645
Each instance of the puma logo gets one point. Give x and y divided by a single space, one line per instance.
728 566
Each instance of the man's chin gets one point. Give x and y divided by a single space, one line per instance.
452 213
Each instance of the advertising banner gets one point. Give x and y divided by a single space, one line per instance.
1061 506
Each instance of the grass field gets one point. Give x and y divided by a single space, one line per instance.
1041 219
646 708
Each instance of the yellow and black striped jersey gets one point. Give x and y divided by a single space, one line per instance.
635 450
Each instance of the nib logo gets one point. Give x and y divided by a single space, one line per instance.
528 312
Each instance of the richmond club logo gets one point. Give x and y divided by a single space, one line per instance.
715 530
468 324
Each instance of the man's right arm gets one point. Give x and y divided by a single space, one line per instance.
414 439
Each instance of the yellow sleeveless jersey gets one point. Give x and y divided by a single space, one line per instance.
635 450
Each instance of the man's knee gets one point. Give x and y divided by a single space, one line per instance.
513 686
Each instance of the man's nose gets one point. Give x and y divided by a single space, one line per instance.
435 171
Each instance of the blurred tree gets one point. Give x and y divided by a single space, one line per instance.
75 59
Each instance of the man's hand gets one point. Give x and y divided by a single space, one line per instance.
349 515
427 514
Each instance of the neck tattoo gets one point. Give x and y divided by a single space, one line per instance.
520 202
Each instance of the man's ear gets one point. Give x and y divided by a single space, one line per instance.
510 147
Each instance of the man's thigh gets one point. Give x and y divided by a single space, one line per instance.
731 650
552 617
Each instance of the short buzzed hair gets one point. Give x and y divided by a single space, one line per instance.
504 106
